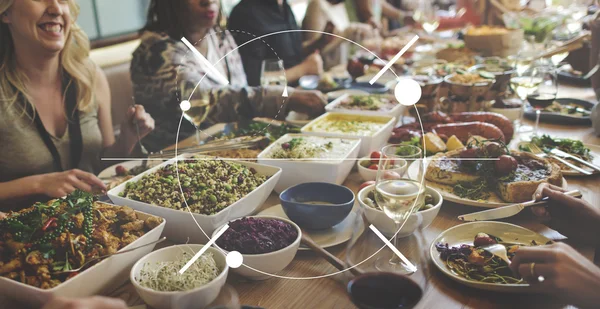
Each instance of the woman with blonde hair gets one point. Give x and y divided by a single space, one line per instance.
55 118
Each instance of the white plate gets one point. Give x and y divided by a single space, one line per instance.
110 172
338 234
297 119
595 151
181 226
492 202
96 279
446 191
338 93
465 234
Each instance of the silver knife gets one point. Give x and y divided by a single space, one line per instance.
570 165
508 211
559 153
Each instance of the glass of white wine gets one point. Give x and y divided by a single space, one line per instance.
426 16
272 73
400 195
524 84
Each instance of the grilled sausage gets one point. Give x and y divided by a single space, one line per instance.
467 129
498 120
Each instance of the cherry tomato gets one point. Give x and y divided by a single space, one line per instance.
506 165
494 150
366 184
120 170
373 167
375 156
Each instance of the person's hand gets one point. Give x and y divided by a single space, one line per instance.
94 302
325 39
572 217
313 64
359 31
137 118
307 102
63 183
566 273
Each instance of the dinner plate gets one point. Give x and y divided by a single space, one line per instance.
366 86
595 151
108 173
492 202
465 234
446 191
559 118
336 235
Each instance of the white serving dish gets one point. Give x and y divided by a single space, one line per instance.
263 266
105 275
388 227
196 298
368 174
465 234
334 106
185 227
295 172
368 143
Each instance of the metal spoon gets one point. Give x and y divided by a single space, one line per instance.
108 255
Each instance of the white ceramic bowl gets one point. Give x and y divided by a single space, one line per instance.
97 279
387 226
334 106
196 298
181 227
511 113
267 263
368 142
295 172
368 174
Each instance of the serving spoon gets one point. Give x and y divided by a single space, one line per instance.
105 256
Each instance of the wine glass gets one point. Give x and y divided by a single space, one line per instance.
271 73
545 93
523 85
399 195
426 16
198 108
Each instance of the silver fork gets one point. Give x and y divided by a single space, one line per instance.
541 154
559 153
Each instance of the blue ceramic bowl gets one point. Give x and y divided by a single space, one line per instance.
299 205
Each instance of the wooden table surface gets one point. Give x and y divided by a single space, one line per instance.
440 291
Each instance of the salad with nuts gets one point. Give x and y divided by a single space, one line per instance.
208 186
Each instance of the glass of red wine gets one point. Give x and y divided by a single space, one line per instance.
545 93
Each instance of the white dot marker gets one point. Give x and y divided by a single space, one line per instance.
185 105
234 259
407 91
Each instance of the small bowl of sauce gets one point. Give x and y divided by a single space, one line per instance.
317 205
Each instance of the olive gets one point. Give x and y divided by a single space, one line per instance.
494 150
505 165
470 153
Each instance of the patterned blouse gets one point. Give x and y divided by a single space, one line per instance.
165 72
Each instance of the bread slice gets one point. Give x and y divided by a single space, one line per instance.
444 168
531 172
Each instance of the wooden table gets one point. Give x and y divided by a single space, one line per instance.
440 292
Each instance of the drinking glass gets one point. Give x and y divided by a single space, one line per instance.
399 195
426 16
271 73
524 84
545 93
